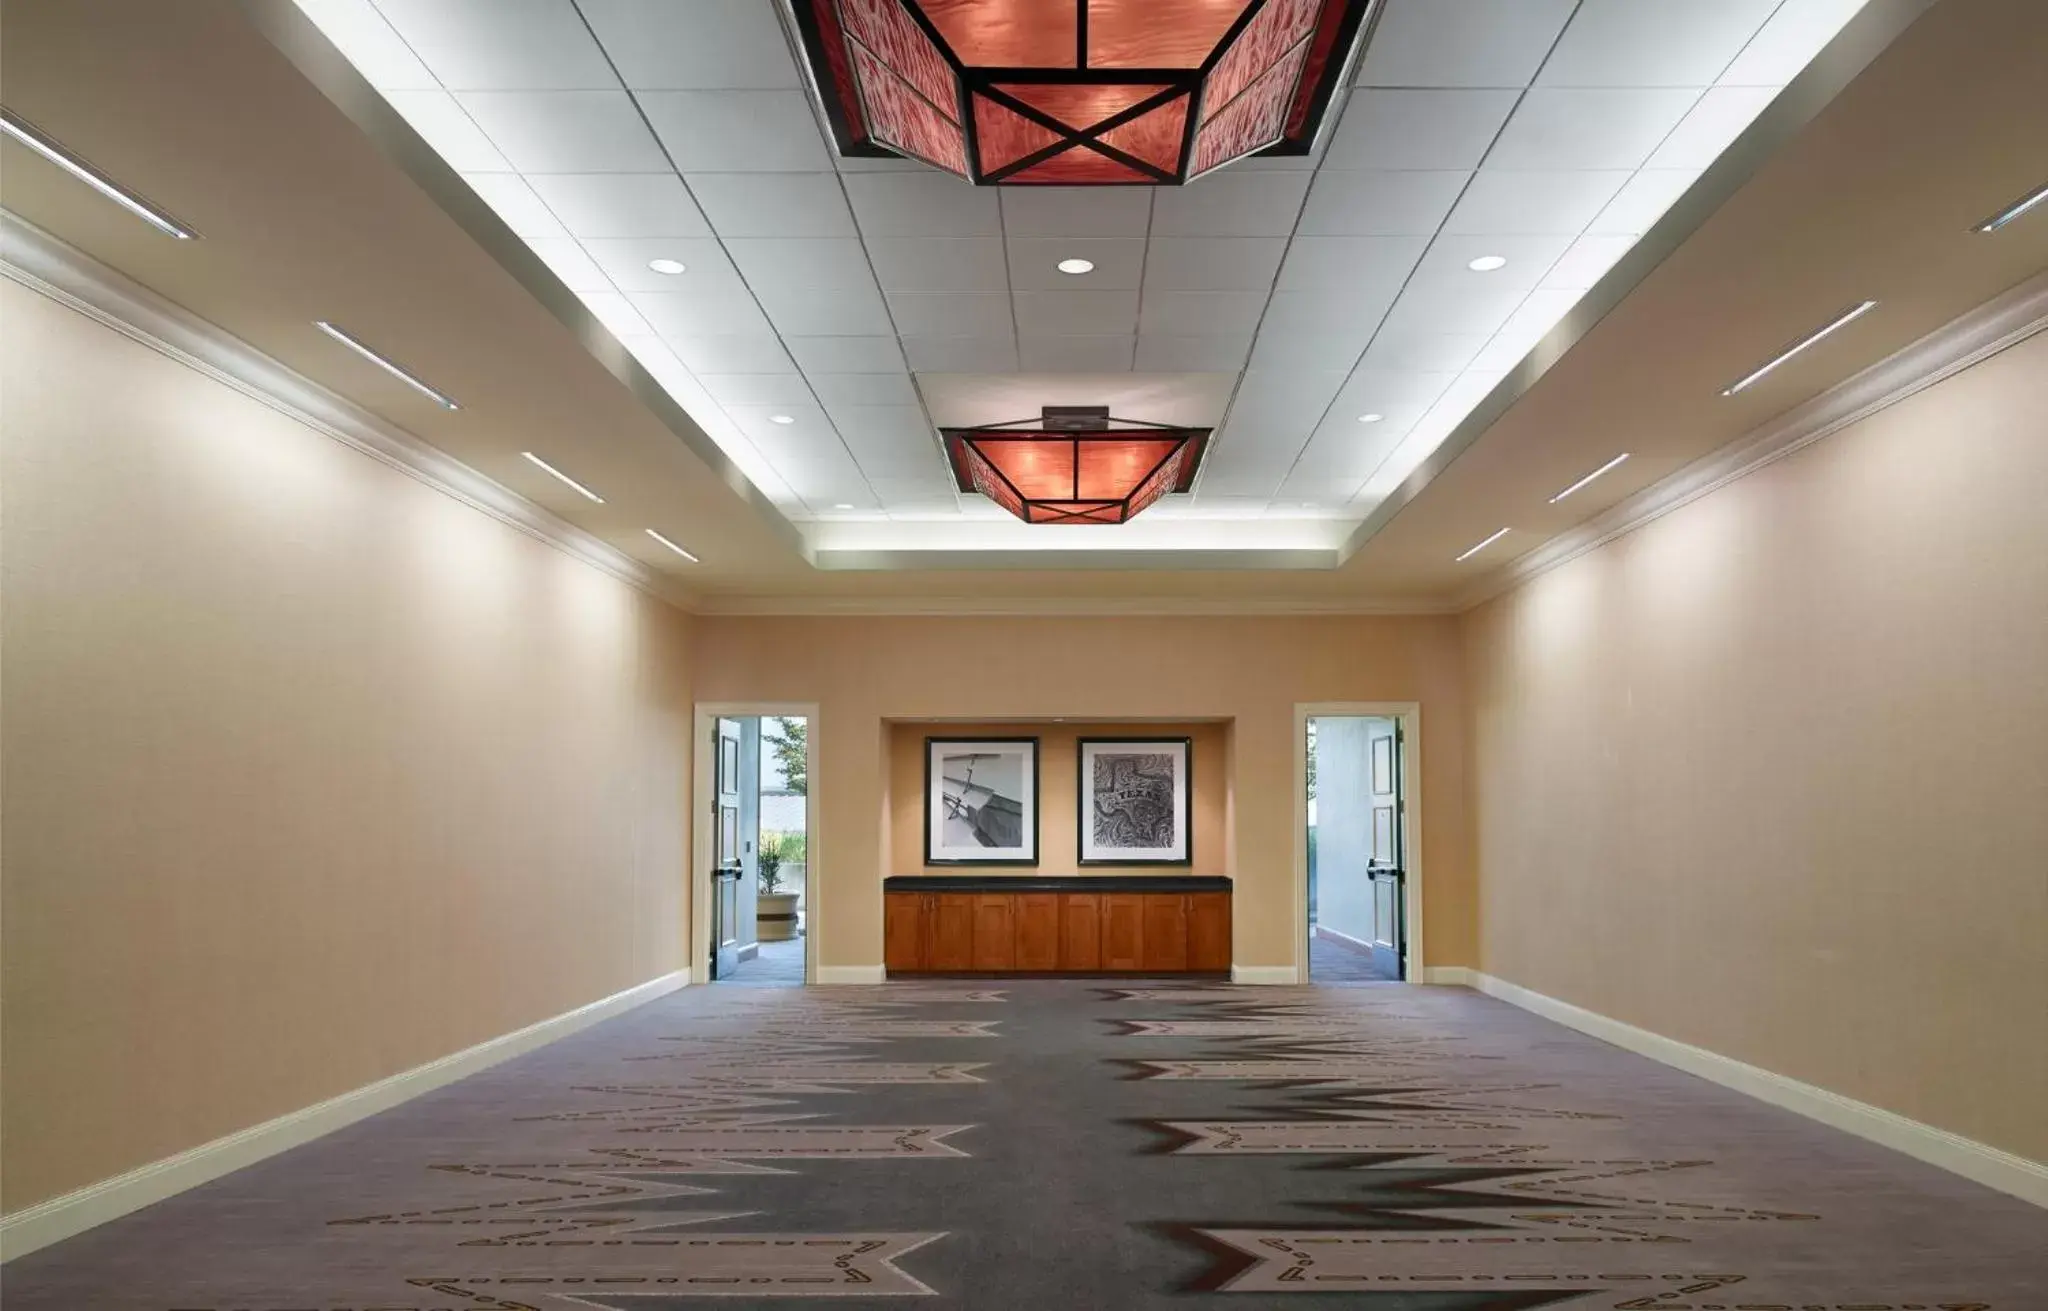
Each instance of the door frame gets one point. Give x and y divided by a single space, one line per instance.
1408 714
703 781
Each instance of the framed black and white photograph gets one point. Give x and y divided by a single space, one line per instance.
980 801
1134 801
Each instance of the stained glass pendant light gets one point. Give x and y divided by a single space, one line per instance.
1075 464
1077 92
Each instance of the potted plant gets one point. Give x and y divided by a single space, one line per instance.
774 909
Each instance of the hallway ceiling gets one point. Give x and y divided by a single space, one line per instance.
871 301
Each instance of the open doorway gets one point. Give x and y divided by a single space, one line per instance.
1357 863
759 830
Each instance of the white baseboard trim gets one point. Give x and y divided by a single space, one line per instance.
75 1212
1264 974
836 974
1450 976
1325 931
1987 1165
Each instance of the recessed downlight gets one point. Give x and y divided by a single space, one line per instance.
668 266
784 419
2013 211
1474 550
1842 320
545 467
844 505
1613 463
439 398
1487 263
1077 266
1370 418
673 547
19 129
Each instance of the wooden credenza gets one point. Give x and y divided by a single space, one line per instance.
1021 924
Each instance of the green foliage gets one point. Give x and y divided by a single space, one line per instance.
789 739
777 850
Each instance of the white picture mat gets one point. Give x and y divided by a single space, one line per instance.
1178 751
1009 766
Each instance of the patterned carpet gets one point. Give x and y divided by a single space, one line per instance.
1055 1144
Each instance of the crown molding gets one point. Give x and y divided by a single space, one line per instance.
45 264
1998 324
737 606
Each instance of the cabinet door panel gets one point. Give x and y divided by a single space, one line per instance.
1166 932
1209 931
903 947
1038 931
952 931
1080 931
995 934
1123 931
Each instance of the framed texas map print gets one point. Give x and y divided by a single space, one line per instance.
1133 806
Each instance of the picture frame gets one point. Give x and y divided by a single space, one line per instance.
981 801
1383 765
1134 800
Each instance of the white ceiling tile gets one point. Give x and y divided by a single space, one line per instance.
1712 126
703 355
371 44
808 312
737 131
1638 206
706 268
868 425
621 204
968 314
961 354
1275 411
565 131
714 313
571 263
1461 43
1075 354
514 201
1213 263
956 264
502 45
1789 41
1390 392
816 355
922 204
1528 325
1320 351
809 432
1230 203
449 129
1587 260
773 204
1514 201
1344 313
818 263
1343 265
1093 312
1645 43
1075 211
1410 352
1201 313
1528 256
843 389
778 389
1212 354
1381 202
615 312
1034 262
700 45
1561 128
1418 129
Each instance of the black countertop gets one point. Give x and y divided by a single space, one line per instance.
1056 883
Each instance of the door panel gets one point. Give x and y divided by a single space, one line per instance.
1080 931
1038 931
995 932
1165 946
903 945
1123 931
952 939
1209 931
725 854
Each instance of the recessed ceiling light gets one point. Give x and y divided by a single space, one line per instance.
1370 418
2013 211
1077 266
19 129
670 266
1482 546
1841 320
1488 263
543 464
1589 477
673 547
844 505
784 419
441 399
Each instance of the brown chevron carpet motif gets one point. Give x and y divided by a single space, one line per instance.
1063 1145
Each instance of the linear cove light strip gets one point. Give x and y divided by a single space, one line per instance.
543 465
1842 320
18 128
2012 211
672 546
1589 477
439 398
1482 546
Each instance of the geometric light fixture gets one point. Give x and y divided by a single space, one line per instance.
1077 92
1074 464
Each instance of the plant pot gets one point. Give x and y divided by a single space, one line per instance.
775 916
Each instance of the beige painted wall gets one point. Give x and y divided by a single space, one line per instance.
864 671
1058 852
312 773
1770 774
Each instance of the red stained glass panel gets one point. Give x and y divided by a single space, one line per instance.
1004 136
901 118
1158 33
1079 165
1111 468
1264 42
1007 33
1079 107
1154 137
1254 120
894 37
